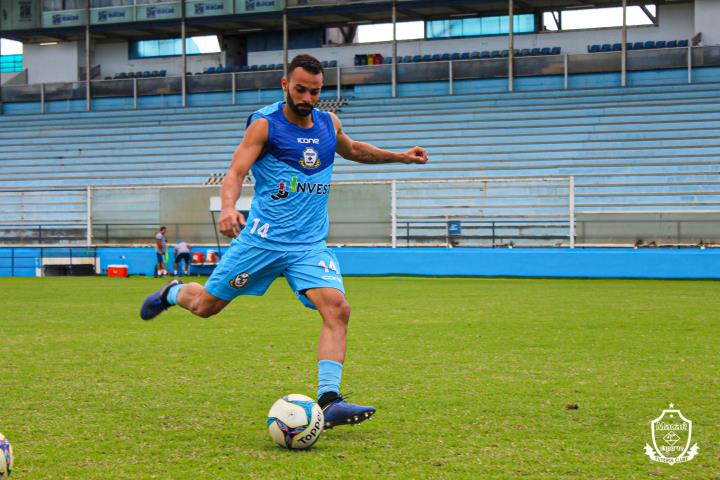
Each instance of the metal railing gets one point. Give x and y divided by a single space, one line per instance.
63 260
448 71
473 212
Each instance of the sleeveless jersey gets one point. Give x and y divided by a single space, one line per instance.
292 183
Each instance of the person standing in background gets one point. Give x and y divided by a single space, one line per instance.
160 246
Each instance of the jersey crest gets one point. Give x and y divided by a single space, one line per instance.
310 158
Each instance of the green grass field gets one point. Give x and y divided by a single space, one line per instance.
471 378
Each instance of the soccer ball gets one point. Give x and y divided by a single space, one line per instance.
295 421
6 457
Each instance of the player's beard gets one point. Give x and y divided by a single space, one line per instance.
294 107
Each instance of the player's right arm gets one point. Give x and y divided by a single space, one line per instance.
246 153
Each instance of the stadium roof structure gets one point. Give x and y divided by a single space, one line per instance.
304 14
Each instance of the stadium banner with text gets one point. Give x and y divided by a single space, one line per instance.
112 15
206 8
253 6
65 18
327 3
159 11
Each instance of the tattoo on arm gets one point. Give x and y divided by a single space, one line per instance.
370 154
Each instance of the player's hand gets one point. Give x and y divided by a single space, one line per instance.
415 155
230 222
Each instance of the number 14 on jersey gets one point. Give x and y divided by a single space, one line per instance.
262 231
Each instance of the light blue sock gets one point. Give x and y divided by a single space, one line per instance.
329 374
173 293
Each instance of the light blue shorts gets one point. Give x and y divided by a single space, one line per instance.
249 270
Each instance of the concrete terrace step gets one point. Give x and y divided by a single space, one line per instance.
443 144
401 119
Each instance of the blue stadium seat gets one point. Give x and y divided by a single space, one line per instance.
671 44
605 47
593 48
445 57
649 44
504 53
210 70
324 64
244 68
616 47
387 60
545 51
455 56
163 73
484 54
495 54
682 43
436 57
534 51
660 44
416 59
638 46
524 52
628 46
465 56
475 55
555 51
426 58
154 73
356 62
407 59
333 64
121 75
253 68
516 52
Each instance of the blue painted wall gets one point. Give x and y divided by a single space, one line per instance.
533 262
527 262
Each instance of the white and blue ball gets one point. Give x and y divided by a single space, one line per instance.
6 457
295 422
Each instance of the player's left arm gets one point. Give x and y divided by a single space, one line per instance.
362 152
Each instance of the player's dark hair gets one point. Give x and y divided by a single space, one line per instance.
307 63
163 228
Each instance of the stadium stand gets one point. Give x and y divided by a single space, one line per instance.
647 45
657 146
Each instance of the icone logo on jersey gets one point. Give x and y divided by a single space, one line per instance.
309 140
300 187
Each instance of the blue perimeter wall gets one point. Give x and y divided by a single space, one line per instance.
518 262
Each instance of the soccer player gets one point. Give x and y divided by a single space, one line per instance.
291 148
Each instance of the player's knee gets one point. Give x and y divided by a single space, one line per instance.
345 311
341 310
204 310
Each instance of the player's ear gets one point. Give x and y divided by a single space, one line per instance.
284 84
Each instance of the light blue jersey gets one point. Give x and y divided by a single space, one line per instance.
288 221
292 183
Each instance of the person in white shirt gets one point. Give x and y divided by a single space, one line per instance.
182 253
160 246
